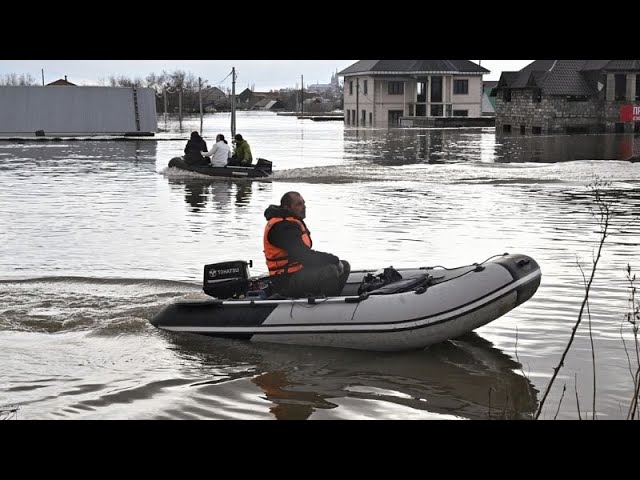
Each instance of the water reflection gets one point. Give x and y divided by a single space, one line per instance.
467 378
52 154
219 193
565 148
411 146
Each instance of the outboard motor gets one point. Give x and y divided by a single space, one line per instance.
227 279
264 165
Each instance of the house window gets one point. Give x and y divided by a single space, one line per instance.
537 95
536 130
461 87
621 87
436 89
523 129
461 113
421 91
365 87
351 87
506 128
370 118
364 118
396 88
637 86
436 110
506 95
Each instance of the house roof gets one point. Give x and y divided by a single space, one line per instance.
387 67
62 82
262 102
564 77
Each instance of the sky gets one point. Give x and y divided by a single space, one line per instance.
263 74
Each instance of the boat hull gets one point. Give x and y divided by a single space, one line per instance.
228 172
457 301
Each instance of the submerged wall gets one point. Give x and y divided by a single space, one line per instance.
73 110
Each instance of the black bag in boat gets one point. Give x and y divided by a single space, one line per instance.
390 281
226 279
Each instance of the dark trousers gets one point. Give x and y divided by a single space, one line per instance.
315 282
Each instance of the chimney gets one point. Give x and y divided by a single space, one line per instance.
65 78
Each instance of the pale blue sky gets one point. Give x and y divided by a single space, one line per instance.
264 74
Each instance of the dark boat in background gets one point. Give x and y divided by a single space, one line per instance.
263 168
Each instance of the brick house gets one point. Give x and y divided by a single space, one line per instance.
379 93
569 96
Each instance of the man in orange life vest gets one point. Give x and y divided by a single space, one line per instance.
295 269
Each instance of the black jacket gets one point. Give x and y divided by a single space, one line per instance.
288 236
192 151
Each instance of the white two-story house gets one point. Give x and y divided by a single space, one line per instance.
377 93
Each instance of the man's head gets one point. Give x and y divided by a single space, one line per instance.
237 138
294 203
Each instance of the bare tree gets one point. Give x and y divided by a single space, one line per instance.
15 80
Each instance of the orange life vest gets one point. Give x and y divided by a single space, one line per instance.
278 258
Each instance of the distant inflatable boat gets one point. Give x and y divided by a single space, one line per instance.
411 309
263 168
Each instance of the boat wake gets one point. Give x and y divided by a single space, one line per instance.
108 307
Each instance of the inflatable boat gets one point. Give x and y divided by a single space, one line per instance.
261 169
382 310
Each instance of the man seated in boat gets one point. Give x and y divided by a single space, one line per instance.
295 269
220 153
193 149
241 152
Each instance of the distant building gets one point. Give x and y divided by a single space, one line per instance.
61 82
54 111
245 99
565 96
380 92
488 102
267 104
330 88
211 97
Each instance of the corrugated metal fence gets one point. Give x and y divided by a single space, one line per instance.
73 110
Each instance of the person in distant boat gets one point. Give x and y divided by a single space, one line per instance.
220 153
195 145
241 152
295 269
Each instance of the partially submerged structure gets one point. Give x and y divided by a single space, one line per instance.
56 110
570 96
381 93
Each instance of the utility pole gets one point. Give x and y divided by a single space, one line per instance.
42 77
302 95
200 101
233 103
180 107
165 105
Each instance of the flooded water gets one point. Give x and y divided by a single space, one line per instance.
96 236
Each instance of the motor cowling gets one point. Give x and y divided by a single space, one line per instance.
226 279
